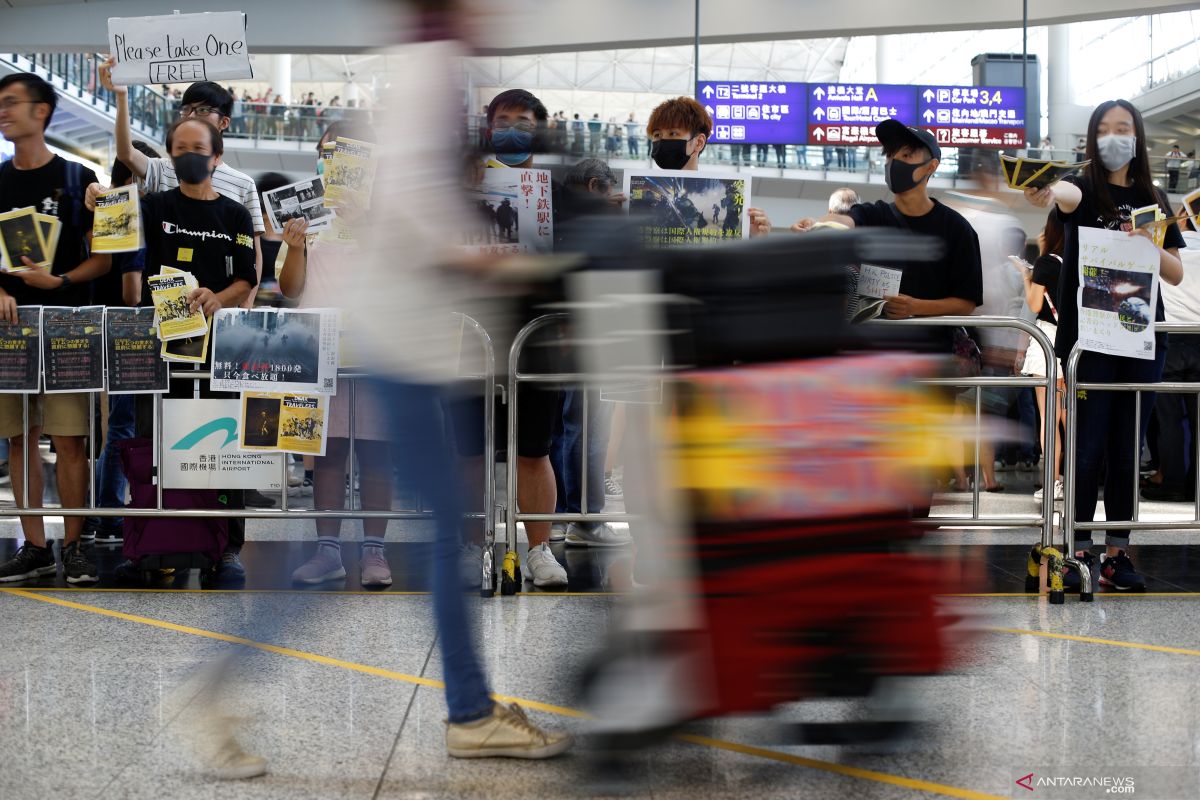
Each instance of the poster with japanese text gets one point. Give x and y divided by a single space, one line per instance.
1118 293
131 352
289 423
21 352
514 213
276 350
73 348
679 208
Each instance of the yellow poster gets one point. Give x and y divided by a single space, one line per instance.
350 174
117 227
51 228
176 319
288 423
21 238
192 350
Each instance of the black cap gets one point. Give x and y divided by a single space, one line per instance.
893 134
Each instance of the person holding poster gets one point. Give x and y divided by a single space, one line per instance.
1092 207
311 274
195 228
206 101
37 177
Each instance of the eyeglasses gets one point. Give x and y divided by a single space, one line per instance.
199 111
9 103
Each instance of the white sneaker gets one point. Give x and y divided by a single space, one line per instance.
542 568
1059 490
1039 494
558 532
214 745
602 535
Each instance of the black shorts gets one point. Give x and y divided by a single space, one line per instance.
536 409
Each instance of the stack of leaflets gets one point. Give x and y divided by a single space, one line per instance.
350 173
1152 216
24 233
117 227
1037 173
305 199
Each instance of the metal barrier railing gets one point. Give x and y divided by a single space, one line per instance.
1070 524
1045 521
487 515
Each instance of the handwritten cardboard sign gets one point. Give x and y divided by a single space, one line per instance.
179 48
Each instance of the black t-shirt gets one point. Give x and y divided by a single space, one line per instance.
45 188
958 273
1046 272
1126 199
212 239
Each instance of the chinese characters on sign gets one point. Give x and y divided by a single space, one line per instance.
976 116
515 213
1118 293
846 114
754 113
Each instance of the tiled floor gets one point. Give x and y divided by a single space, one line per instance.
97 698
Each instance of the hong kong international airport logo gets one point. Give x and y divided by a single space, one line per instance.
1085 785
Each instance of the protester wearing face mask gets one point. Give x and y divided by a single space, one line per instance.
948 286
1115 184
207 101
194 228
678 132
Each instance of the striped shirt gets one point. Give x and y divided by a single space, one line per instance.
227 181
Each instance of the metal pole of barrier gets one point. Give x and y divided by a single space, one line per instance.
978 436
352 471
1137 452
583 470
1050 431
158 447
25 448
488 567
93 406
1086 588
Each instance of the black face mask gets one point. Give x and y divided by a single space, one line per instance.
670 153
899 175
192 167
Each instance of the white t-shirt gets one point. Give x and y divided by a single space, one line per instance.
1182 303
227 181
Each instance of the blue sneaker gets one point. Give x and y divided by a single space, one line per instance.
1118 573
1071 577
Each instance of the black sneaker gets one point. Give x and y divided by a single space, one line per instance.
231 568
103 529
1071 577
28 562
1118 572
78 565
256 499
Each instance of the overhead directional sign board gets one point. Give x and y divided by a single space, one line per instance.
754 113
974 116
845 114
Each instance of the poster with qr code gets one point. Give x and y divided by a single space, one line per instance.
275 350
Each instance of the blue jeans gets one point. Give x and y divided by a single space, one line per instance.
110 478
567 449
424 463
1104 434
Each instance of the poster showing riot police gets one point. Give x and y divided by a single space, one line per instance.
677 208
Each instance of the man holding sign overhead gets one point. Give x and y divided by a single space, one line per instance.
206 101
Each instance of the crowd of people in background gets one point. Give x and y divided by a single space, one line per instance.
268 114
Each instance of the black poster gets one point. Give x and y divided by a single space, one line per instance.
131 350
21 352
73 348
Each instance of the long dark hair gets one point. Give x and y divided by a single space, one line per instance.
1139 167
1052 237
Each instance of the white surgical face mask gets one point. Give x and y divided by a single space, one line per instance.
1116 150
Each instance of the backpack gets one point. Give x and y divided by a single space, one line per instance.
181 542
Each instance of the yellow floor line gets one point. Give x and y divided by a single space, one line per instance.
1154 648
733 747
351 592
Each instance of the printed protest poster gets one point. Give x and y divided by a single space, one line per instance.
192 350
305 199
275 350
21 352
350 174
131 352
676 208
289 423
516 213
1118 293
73 348
21 238
179 48
117 227
176 319
200 449
51 229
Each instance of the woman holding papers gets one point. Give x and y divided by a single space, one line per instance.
311 273
1105 195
